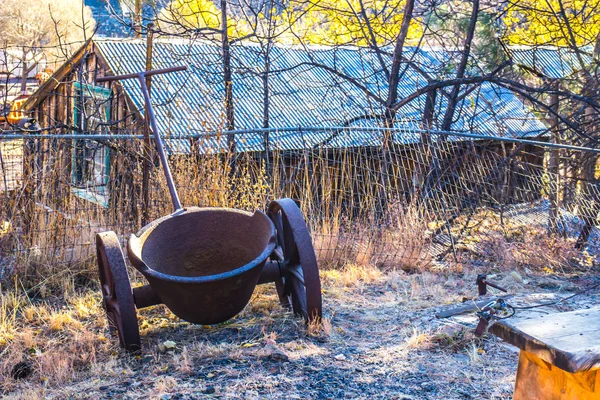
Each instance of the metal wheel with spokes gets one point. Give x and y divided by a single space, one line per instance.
300 285
117 296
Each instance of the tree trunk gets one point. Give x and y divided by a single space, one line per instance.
390 113
24 72
228 83
137 19
460 73
397 61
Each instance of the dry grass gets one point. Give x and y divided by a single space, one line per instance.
50 315
516 246
48 230
58 339
376 324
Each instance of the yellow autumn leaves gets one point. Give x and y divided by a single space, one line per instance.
553 22
357 22
328 22
360 22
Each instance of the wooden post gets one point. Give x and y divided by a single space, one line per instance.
422 166
538 379
24 72
553 165
266 106
147 153
589 210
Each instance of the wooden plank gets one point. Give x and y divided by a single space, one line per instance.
567 340
538 379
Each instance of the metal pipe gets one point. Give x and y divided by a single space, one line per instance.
304 129
137 74
145 296
271 272
159 144
68 136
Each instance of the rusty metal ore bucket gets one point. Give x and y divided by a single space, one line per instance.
203 263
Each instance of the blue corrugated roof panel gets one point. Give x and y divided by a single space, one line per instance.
300 94
552 62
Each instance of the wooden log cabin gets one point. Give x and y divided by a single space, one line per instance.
292 100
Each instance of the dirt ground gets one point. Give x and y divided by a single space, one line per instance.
380 340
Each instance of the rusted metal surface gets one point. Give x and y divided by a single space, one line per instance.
482 285
145 296
117 297
203 263
299 285
494 310
271 272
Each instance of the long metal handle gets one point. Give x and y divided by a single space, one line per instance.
159 144
141 77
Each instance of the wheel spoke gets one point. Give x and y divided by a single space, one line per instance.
106 289
296 272
298 298
278 222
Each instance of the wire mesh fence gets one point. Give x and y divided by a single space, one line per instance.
395 198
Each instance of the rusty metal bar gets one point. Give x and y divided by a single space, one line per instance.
483 283
145 296
211 134
146 145
271 272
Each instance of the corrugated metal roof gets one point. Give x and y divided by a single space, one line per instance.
300 94
552 62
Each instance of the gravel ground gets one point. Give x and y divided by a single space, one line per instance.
380 340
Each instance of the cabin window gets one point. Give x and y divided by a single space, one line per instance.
91 159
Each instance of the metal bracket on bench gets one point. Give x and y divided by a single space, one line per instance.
490 312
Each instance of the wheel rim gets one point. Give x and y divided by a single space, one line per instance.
300 286
117 296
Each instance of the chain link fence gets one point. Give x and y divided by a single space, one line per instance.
395 198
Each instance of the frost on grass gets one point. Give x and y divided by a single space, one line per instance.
379 337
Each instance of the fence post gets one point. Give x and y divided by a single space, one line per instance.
589 210
553 164
421 166
147 146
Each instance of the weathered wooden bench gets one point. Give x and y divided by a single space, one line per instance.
559 357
